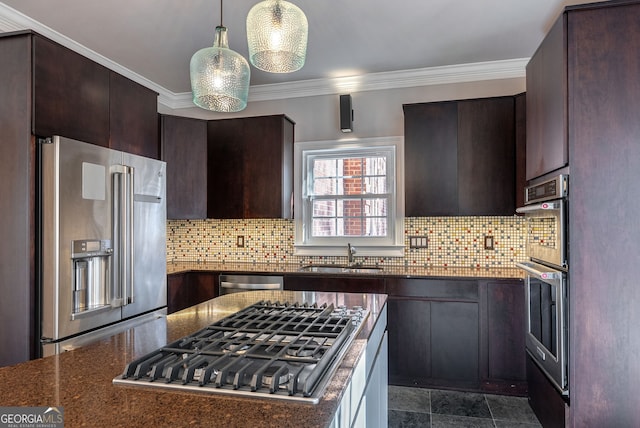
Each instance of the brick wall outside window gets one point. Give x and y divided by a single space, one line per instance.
353 209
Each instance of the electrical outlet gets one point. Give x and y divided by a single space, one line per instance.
488 242
240 241
418 242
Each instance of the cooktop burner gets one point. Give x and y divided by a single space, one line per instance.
278 350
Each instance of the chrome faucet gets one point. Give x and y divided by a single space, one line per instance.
350 253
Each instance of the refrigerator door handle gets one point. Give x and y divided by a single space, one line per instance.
117 203
123 234
129 238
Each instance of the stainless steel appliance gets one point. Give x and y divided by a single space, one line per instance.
546 212
546 285
102 241
238 283
272 350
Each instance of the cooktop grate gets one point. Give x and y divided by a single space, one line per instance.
279 349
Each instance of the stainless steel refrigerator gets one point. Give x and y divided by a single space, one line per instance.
102 242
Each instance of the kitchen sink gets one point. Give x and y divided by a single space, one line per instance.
340 269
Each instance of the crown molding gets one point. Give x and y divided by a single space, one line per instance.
6 24
491 70
12 20
461 73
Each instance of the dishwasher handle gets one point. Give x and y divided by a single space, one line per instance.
237 283
250 286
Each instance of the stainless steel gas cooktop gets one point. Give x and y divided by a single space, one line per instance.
274 350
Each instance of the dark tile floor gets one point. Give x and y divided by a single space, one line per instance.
433 408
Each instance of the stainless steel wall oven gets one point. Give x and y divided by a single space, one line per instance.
546 285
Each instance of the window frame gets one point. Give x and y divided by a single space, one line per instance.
390 246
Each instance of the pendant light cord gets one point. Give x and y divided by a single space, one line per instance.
221 14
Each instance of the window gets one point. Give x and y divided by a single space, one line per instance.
349 192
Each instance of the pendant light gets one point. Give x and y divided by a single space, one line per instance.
220 76
277 34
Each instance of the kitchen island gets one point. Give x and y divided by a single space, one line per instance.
80 381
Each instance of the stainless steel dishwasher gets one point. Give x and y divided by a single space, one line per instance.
237 283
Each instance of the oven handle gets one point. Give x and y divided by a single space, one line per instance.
538 273
537 207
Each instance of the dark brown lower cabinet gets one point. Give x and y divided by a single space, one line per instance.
457 333
544 399
177 292
408 324
455 342
434 332
433 343
503 319
203 286
190 288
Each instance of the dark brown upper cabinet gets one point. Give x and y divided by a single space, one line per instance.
80 99
521 147
547 148
460 157
70 94
184 149
431 159
250 167
133 117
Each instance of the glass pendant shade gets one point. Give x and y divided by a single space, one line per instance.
277 33
220 76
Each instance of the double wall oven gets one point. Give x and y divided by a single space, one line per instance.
546 286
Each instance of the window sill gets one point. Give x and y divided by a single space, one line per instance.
341 250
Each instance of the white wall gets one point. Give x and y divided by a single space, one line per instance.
377 113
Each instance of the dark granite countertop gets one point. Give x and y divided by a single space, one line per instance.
408 271
80 381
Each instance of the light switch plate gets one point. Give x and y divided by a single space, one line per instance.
418 242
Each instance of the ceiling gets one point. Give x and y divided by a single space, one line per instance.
153 40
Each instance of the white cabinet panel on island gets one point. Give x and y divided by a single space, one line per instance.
364 403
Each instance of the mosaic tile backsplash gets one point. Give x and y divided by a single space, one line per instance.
452 241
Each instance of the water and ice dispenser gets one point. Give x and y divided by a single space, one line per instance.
91 274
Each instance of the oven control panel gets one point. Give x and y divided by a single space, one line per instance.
555 188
